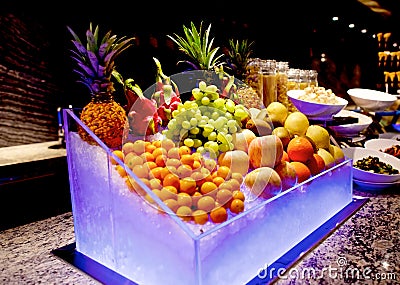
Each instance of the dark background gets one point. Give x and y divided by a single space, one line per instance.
35 43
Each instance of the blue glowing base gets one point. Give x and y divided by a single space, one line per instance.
107 276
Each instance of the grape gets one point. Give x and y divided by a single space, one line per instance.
205 100
186 125
188 142
202 86
212 136
195 130
193 122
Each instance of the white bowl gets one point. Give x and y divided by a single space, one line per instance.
351 130
371 100
313 110
381 144
357 153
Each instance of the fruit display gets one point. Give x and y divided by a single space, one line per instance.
210 163
95 63
206 158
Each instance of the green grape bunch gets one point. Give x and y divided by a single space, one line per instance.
207 122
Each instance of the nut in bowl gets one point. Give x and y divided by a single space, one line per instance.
307 102
372 160
371 100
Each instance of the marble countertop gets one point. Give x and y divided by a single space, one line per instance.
368 242
31 152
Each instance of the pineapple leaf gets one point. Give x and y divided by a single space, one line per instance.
80 48
91 41
93 60
74 35
87 69
197 45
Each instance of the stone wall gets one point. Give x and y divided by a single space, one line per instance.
28 92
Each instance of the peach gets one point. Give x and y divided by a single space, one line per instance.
287 173
263 182
265 151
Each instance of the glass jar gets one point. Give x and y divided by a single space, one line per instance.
254 75
293 79
304 79
282 68
313 78
268 69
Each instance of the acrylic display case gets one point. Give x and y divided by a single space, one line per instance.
120 230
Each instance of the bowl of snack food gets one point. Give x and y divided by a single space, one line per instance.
389 146
371 100
317 103
354 129
373 165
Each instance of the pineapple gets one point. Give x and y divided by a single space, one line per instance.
239 53
197 46
95 64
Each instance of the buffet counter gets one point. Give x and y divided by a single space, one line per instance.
362 250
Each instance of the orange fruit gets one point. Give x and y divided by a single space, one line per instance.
200 217
156 143
149 148
198 177
173 162
150 165
156 172
121 170
237 206
184 171
238 195
132 159
206 203
224 196
187 159
208 187
195 198
184 150
168 192
223 171
218 180
164 171
160 160
119 154
237 176
167 144
187 185
218 215
159 151
300 149
155 183
184 212
235 185
149 198
172 204
135 187
174 153
171 180
184 199
141 171
226 185
196 165
302 171
139 146
147 156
